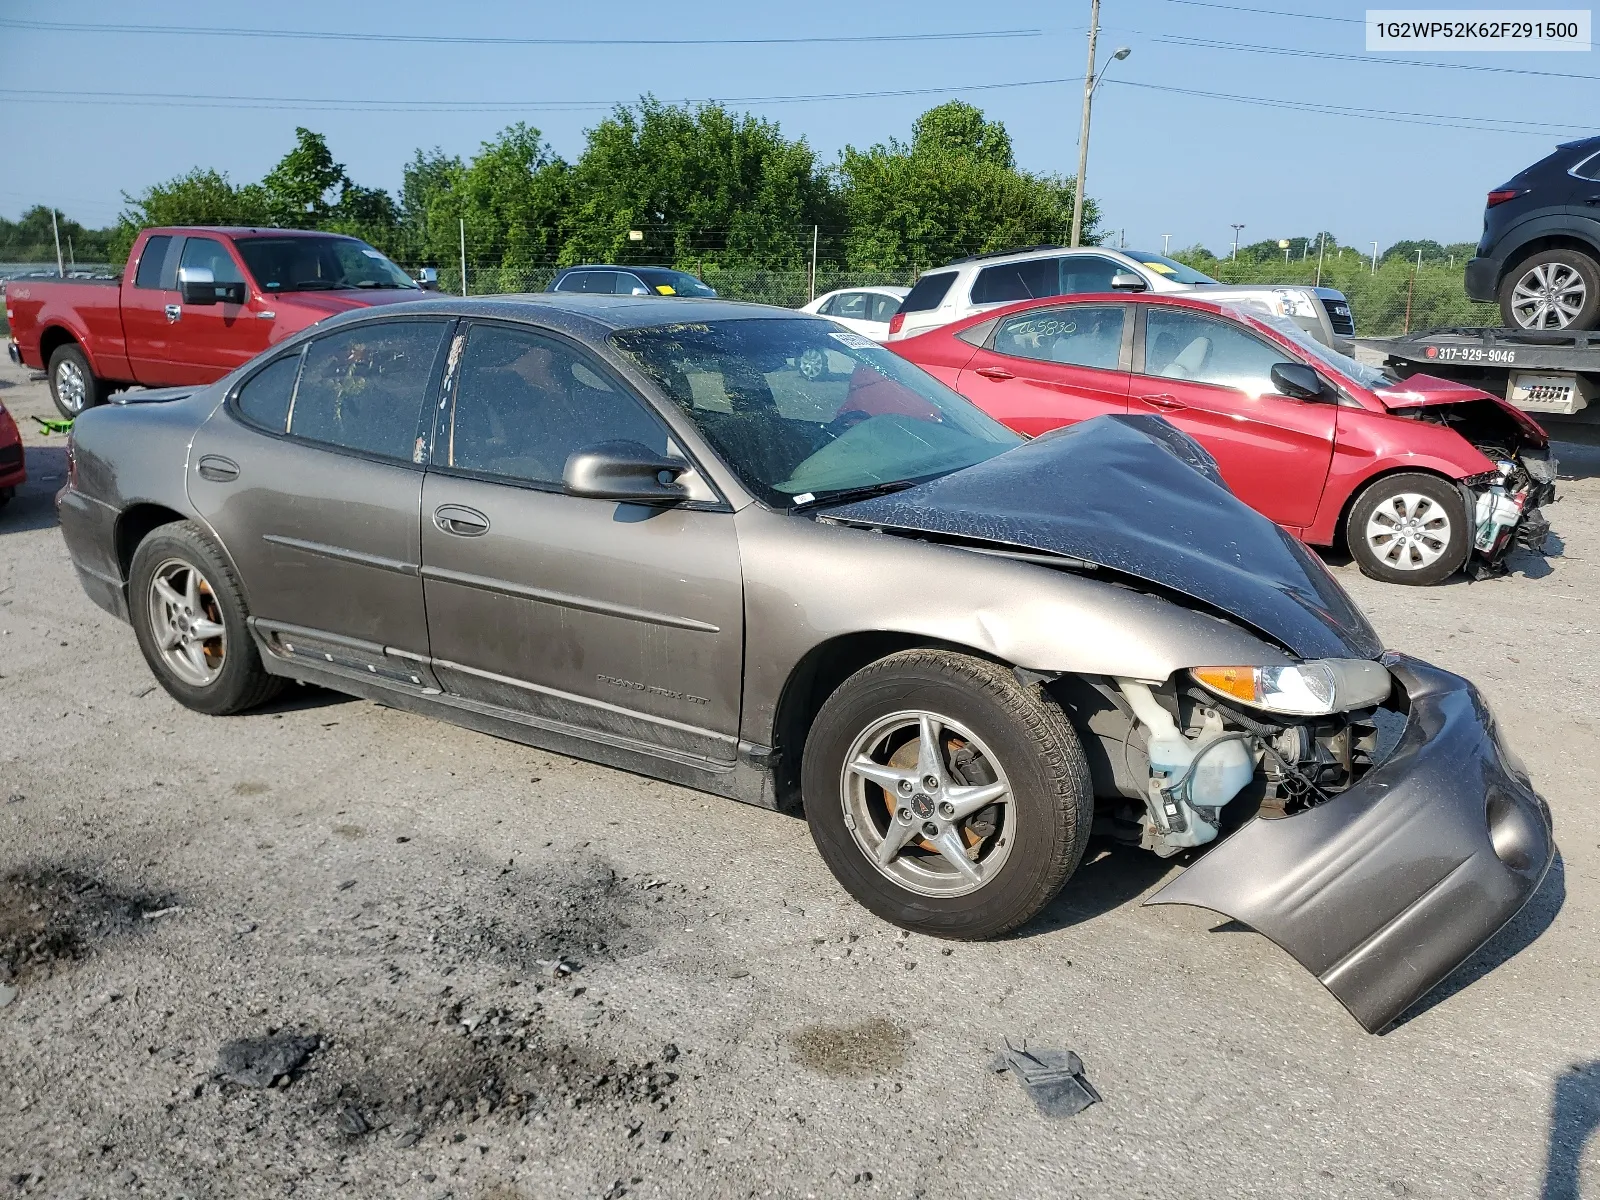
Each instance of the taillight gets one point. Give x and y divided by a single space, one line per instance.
897 322
1501 195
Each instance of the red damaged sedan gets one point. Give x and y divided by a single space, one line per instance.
1420 478
13 471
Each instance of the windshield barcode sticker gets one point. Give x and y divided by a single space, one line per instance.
854 340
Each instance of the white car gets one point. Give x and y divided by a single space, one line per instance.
971 285
865 310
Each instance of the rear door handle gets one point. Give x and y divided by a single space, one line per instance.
1164 402
218 469
174 311
461 520
995 373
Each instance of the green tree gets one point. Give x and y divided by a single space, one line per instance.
30 238
302 189
955 190
427 176
701 184
202 197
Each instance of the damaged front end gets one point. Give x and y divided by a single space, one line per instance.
1380 872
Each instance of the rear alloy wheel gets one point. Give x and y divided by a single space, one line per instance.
188 613
1409 529
813 363
946 796
72 383
1553 290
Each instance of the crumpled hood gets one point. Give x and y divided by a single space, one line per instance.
1426 391
1136 496
329 304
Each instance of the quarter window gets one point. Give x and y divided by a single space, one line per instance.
363 388
1086 335
1184 345
1588 169
882 308
264 398
151 260
524 404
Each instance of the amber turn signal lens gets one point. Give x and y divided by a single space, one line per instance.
1238 682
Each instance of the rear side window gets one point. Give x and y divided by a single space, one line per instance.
1027 280
151 260
363 388
882 307
1588 169
1086 335
928 293
264 398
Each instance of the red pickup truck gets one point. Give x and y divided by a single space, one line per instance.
192 304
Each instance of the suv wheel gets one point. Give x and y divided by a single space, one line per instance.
72 383
189 615
1554 289
1409 528
944 795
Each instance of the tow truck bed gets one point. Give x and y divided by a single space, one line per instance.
1554 376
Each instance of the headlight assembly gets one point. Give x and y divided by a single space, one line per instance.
1308 689
1294 304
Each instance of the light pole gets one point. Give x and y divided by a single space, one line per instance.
1166 240
1236 229
1090 82
1374 258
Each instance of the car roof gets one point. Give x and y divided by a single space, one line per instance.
1025 254
576 312
882 289
247 231
618 267
1219 308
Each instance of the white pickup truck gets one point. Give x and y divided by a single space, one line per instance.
970 285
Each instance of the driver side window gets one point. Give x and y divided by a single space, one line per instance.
524 404
1180 344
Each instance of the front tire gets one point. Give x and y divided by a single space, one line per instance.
1552 290
1410 528
73 385
944 795
188 613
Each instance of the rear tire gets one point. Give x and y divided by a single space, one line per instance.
1553 290
73 385
180 589
882 841
1410 528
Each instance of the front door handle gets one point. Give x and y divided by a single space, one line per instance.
174 311
1164 402
461 520
218 469
995 373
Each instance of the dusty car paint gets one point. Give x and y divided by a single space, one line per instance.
1146 568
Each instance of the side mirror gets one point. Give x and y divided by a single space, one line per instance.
1127 281
639 291
625 471
197 285
428 279
1297 381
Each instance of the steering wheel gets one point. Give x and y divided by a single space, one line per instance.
845 421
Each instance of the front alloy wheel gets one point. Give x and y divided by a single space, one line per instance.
928 804
945 794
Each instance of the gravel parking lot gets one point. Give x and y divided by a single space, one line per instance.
520 975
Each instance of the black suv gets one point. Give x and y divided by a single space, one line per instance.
1540 253
608 280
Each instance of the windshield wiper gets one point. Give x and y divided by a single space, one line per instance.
844 495
314 285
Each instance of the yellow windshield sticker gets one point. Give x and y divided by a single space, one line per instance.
666 289
1162 267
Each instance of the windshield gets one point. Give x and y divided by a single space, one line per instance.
318 264
1359 372
1169 268
802 410
673 283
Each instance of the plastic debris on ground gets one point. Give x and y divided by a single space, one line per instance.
1053 1079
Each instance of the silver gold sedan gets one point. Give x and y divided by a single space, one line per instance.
756 554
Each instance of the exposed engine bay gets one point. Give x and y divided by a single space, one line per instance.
1176 767
1504 504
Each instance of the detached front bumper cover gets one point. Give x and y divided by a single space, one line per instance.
1385 889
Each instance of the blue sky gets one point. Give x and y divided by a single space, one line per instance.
1161 162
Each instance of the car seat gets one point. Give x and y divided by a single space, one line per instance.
1186 364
